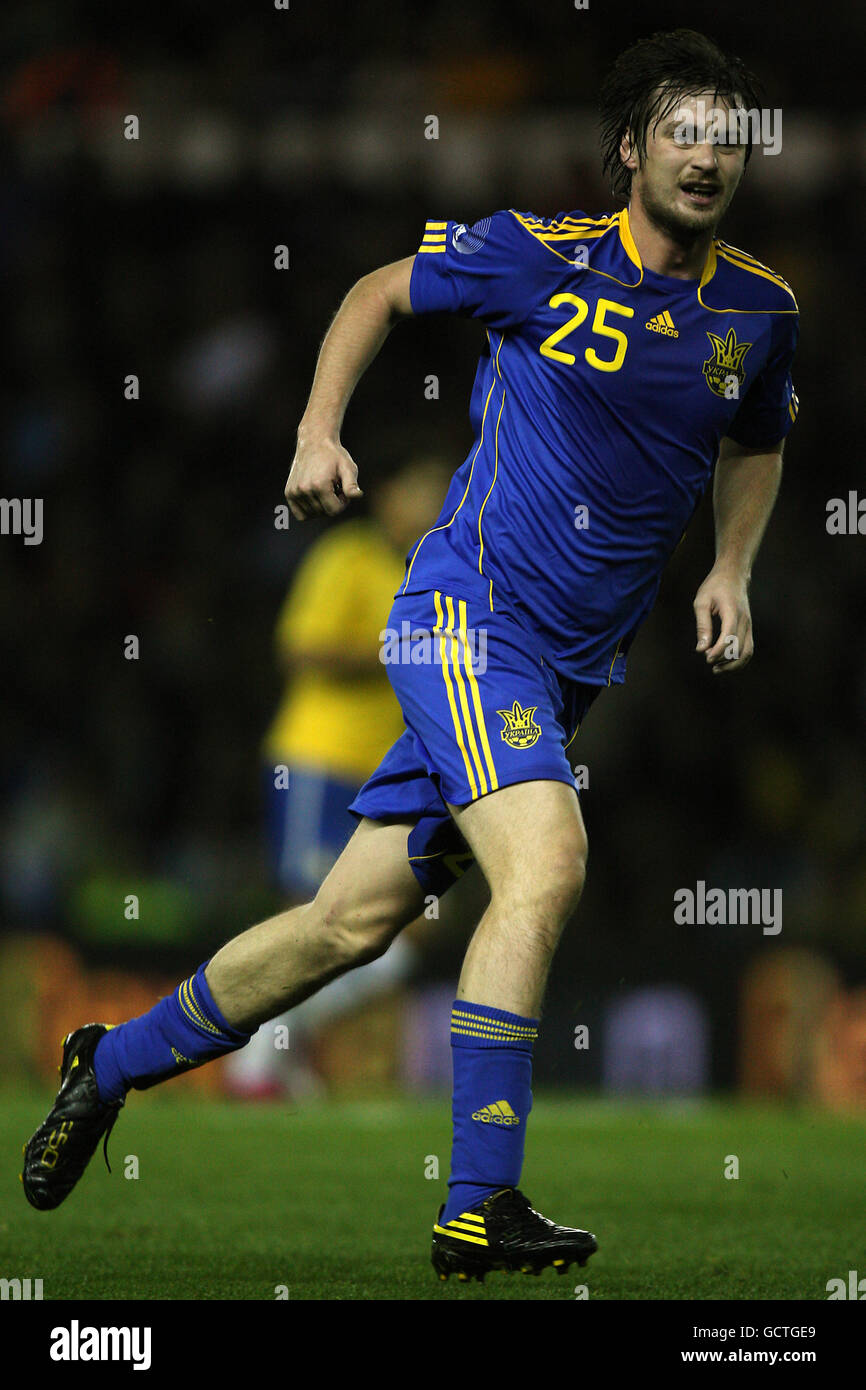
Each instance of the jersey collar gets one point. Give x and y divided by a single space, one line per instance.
628 246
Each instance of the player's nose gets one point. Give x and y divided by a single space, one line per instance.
705 157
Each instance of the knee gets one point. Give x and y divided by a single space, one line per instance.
357 933
546 889
570 877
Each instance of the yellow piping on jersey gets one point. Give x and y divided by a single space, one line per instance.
578 235
719 248
562 231
755 268
747 256
497 372
601 228
446 524
568 221
612 664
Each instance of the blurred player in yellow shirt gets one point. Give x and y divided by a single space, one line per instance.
336 720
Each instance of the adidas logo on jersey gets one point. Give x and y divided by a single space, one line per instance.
499 1112
663 323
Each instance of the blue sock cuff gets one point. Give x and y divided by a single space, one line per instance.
478 1025
198 1004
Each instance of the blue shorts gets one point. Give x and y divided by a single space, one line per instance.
308 826
483 710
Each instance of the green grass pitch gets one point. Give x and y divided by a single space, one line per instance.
331 1201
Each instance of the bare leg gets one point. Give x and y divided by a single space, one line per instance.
368 897
530 842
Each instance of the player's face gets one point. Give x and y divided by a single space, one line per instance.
695 157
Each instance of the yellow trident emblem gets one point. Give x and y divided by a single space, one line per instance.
724 372
520 730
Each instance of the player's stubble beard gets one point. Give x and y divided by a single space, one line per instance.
683 228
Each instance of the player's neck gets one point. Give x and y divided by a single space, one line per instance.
682 258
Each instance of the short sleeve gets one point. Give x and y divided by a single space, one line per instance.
488 271
770 406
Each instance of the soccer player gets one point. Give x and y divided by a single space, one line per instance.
626 357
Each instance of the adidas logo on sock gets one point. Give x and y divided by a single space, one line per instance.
499 1112
662 323
183 1061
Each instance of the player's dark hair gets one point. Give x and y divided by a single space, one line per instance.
648 80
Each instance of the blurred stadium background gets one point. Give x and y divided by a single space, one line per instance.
155 256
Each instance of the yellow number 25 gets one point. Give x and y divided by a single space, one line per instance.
604 330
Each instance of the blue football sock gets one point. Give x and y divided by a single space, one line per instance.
183 1030
492 1055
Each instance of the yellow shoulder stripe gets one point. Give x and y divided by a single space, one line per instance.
580 231
743 262
554 224
578 234
744 255
751 262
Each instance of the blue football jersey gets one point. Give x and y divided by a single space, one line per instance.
599 403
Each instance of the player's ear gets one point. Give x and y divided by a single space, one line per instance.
627 152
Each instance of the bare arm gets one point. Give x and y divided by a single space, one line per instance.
744 494
323 476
